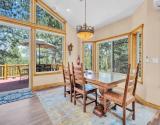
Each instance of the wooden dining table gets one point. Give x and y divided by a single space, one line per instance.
104 80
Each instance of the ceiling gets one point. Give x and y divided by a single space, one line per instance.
99 12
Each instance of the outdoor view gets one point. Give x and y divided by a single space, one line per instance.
49 51
88 56
15 41
113 56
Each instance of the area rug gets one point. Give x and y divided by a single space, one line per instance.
62 112
15 95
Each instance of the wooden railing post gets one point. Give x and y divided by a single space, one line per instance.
5 71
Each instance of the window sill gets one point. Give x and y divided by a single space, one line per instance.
48 73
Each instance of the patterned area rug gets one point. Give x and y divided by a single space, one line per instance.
62 112
15 95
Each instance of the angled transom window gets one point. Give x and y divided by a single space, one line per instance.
46 19
16 9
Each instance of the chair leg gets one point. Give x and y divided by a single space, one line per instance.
64 90
124 115
74 97
71 95
133 108
96 98
105 105
84 102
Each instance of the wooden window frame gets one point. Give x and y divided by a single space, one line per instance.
109 39
134 50
33 27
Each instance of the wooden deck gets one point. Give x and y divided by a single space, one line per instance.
13 83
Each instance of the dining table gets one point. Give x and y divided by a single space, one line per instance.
104 81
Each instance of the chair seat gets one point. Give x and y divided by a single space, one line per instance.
117 97
88 88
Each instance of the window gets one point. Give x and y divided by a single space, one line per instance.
104 56
12 47
88 56
45 19
120 55
113 55
49 50
137 51
17 9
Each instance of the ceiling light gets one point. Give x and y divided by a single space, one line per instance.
68 10
85 32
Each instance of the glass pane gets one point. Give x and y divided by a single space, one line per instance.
88 56
49 51
138 53
45 19
105 56
12 49
17 9
120 55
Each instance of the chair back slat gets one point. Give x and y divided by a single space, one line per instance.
130 87
126 84
66 74
136 79
78 75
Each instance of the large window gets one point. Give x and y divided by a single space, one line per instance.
88 48
12 47
17 9
113 55
49 51
44 18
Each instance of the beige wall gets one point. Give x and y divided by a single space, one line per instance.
57 78
147 15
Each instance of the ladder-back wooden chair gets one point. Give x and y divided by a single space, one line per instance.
68 85
82 87
126 97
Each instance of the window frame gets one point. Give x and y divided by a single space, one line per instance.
33 26
139 29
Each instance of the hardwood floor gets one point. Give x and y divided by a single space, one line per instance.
24 112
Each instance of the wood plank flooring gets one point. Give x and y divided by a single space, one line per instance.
24 112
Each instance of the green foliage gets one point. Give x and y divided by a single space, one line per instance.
120 55
88 56
44 18
105 56
17 9
113 56
50 56
10 49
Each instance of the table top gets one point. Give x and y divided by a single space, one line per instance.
107 79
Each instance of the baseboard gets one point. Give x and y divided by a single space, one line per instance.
46 86
146 103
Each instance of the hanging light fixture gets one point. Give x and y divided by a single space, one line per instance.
85 32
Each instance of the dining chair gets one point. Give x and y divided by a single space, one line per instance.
82 87
123 99
68 85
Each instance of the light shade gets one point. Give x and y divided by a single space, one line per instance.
84 36
85 32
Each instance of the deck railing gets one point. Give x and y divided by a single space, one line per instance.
12 71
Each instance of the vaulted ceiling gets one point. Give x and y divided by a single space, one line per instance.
99 12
